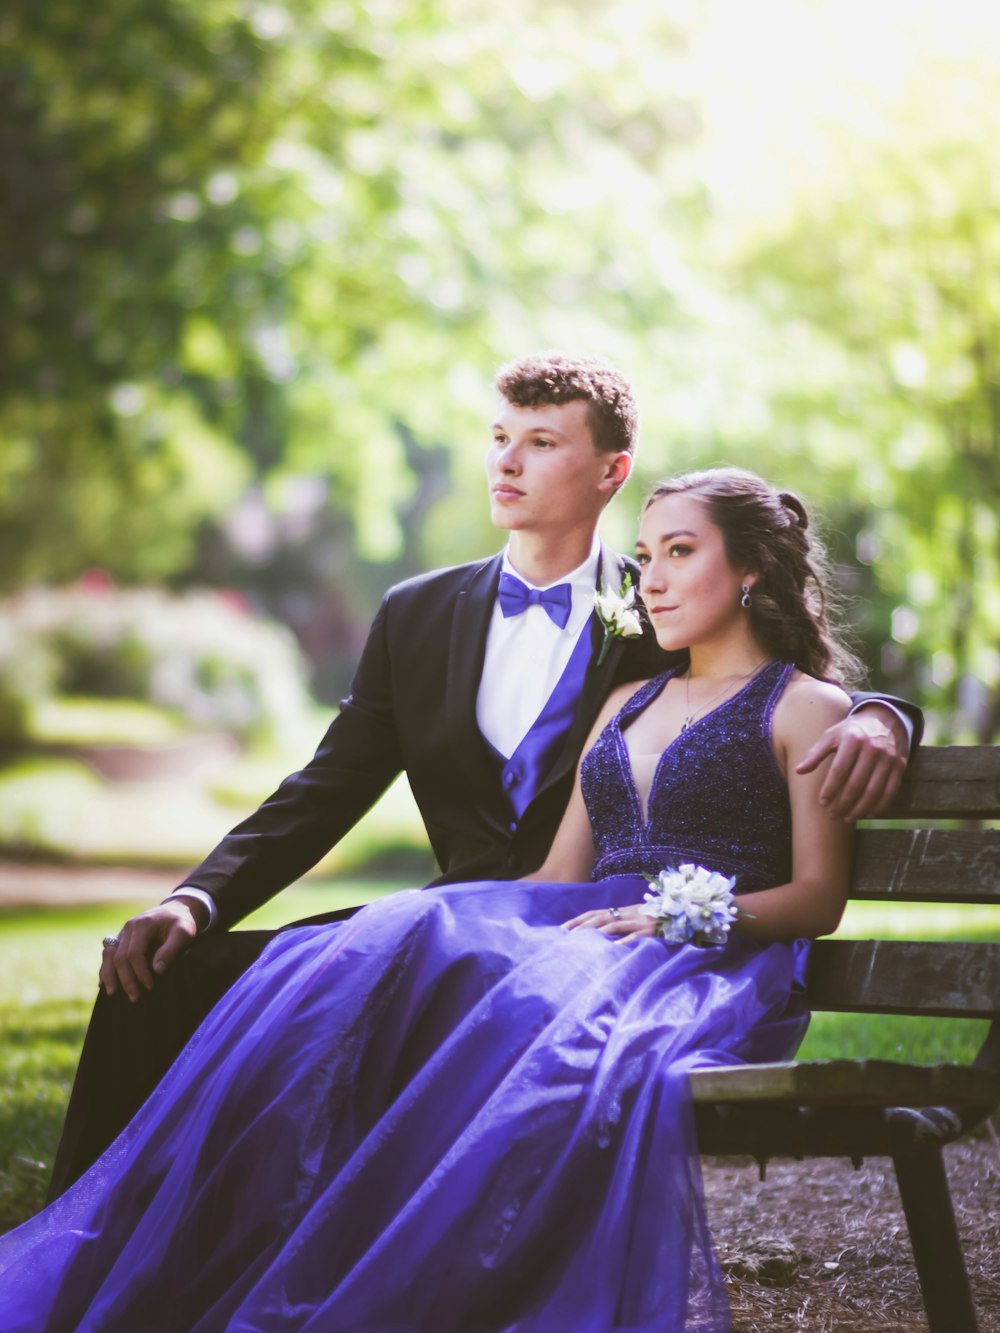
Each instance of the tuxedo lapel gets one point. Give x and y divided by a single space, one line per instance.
466 654
597 683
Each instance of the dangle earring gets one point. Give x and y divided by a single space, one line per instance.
745 601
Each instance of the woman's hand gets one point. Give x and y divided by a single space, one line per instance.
621 922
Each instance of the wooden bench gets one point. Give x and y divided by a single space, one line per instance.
863 1108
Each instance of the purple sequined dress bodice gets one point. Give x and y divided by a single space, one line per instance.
717 796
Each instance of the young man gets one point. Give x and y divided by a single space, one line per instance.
480 683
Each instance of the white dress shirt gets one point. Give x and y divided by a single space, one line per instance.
526 655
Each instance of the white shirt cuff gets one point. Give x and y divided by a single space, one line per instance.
192 891
884 703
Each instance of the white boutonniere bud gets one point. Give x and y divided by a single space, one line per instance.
691 905
619 615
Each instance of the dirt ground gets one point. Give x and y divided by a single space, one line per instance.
836 1242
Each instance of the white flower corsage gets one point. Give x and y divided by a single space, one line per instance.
618 614
691 905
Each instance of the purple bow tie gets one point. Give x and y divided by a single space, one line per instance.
515 597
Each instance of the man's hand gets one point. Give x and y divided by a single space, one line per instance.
149 943
870 749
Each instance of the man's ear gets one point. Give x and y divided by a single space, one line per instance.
618 470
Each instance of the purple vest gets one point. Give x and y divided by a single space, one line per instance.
524 772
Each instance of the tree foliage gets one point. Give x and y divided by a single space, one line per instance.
260 260
891 281
260 240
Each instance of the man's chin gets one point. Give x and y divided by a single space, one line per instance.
505 516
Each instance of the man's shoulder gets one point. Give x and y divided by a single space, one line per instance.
441 582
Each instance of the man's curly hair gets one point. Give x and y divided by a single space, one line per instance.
553 377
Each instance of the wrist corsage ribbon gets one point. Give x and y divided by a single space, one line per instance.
691 905
619 615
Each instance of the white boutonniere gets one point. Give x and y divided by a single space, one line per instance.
691 905
618 613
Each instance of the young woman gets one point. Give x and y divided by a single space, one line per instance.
466 1109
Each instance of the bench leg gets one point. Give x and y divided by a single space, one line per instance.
923 1187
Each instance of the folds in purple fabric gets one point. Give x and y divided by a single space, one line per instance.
447 1113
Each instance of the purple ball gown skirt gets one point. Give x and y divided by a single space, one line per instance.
447 1114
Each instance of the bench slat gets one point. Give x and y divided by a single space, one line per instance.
951 782
849 1083
944 980
928 865
789 1129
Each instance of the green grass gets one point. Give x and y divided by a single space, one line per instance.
894 1037
48 979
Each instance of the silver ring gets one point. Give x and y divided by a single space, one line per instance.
110 941
616 913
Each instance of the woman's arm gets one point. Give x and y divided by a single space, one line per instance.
813 901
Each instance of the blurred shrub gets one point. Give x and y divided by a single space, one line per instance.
200 654
86 721
44 805
26 676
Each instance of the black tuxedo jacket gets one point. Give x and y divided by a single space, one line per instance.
412 708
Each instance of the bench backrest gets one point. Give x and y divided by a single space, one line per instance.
923 863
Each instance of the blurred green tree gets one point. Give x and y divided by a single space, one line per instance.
891 284
246 244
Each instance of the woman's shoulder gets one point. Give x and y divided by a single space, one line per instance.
618 700
624 694
808 702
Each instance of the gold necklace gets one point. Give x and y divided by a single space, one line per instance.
691 714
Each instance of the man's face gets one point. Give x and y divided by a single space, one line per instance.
545 473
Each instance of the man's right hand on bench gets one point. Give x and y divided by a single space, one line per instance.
148 943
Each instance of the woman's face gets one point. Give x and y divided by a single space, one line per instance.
691 591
